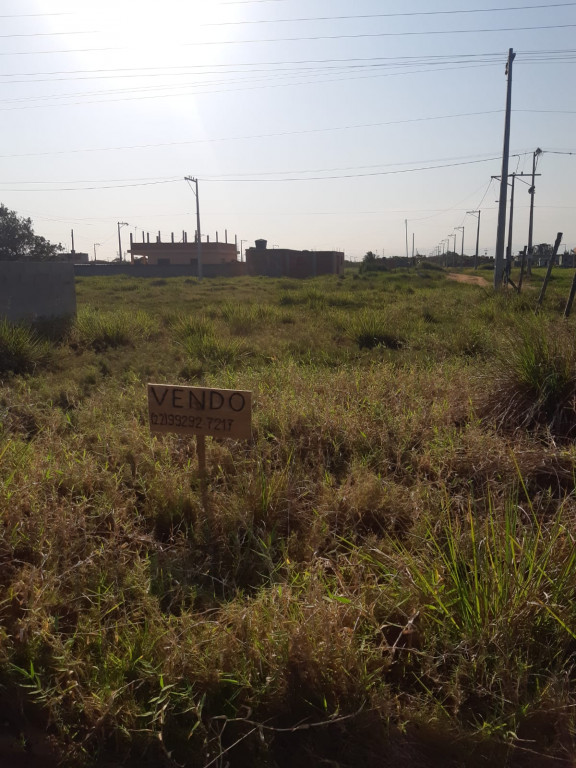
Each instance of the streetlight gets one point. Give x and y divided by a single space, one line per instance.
120 225
96 245
473 213
241 247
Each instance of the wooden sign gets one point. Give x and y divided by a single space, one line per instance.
200 411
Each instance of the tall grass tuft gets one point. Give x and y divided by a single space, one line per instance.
371 329
21 349
535 383
246 318
100 330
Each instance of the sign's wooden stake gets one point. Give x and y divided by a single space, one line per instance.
201 451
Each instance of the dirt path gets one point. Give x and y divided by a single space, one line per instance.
472 279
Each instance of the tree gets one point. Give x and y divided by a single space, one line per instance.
369 258
18 241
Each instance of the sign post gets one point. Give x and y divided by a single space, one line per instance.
200 411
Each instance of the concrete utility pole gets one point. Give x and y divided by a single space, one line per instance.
531 191
476 213
406 227
120 225
510 224
501 232
462 251
190 179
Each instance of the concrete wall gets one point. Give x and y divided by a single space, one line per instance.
30 290
284 262
229 269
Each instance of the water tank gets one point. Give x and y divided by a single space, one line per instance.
261 245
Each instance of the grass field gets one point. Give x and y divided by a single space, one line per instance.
383 576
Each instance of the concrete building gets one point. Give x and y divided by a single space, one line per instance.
285 262
180 253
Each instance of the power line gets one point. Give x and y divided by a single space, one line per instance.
51 34
234 90
30 15
65 50
542 55
228 180
163 91
310 39
355 167
253 136
265 173
355 175
388 15
86 189
280 134
382 34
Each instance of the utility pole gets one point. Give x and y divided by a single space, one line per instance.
515 176
412 245
462 251
406 226
531 191
501 232
120 225
510 223
474 213
198 230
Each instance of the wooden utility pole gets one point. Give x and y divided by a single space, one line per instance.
501 232
522 268
532 190
570 297
551 261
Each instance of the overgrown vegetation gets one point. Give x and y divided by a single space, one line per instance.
385 573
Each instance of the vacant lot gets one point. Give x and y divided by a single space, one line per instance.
383 575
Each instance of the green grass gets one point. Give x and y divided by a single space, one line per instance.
384 572
21 349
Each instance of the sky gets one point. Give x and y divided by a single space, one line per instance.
314 124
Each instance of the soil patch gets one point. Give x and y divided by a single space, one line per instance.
472 279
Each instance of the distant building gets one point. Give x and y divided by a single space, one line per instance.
171 252
285 262
74 257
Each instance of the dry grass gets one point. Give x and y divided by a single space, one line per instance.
380 559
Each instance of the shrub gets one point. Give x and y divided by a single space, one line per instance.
21 349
